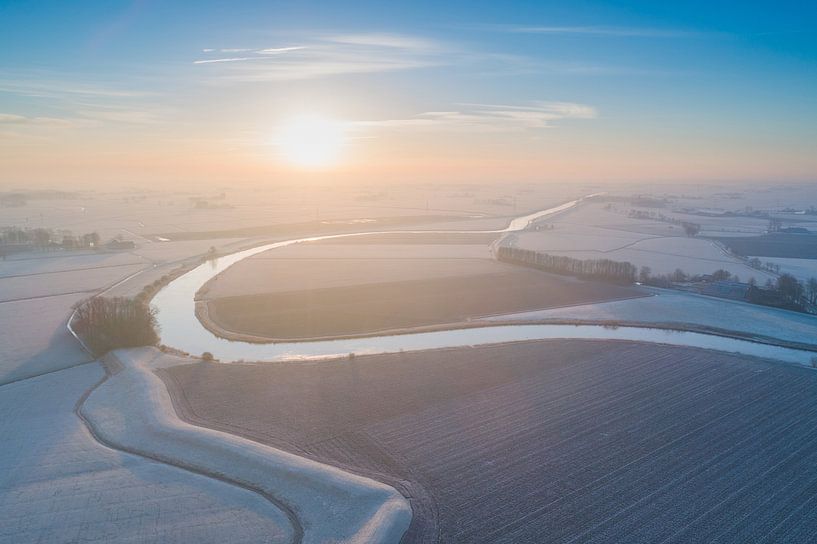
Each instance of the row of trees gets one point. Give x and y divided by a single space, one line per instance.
690 229
600 269
795 291
785 291
43 238
111 323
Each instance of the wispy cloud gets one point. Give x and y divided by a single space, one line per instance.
14 119
44 87
598 31
328 55
78 104
254 54
474 117
375 39
279 50
120 115
228 59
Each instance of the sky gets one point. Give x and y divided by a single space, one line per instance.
157 92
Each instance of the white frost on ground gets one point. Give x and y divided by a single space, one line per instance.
802 269
70 281
46 262
133 409
686 308
34 337
307 266
58 485
592 232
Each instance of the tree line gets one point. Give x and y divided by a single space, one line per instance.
44 238
111 323
784 292
599 269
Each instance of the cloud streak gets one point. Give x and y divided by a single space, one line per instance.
589 31
475 117
15 119
327 56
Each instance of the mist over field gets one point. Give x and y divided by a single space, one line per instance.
408 272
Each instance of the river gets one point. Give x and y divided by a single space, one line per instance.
181 329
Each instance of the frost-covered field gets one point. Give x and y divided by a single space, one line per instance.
678 307
133 410
312 266
138 215
35 339
69 281
555 441
38 291
37 294
593 232
802 269
36 262
58 485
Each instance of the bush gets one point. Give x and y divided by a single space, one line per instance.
206 356
105 324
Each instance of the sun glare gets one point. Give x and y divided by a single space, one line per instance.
311 141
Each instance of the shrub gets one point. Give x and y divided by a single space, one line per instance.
206 356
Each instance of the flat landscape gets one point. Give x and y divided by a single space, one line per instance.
594 231
59 485
336 272
676 307
324 290
557 441
798 246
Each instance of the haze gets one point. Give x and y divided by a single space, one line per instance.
408 272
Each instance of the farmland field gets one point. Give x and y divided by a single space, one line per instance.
593 232
556 441
58 484
372 307
800 246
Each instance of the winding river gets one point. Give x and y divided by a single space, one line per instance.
181 329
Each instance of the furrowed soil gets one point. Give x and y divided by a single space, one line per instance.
551 441
398 305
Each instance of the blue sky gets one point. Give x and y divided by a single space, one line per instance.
727 88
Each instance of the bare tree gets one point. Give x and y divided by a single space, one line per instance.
110 323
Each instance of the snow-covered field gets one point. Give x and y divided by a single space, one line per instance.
593 232
69 281
137 215
58 485
305 266
133 410
686 308
35 339
38 291
37 294
802 269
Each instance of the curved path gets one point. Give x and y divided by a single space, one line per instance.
133 410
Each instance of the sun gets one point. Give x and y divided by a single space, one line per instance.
311 141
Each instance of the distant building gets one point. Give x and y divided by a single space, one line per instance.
120 244
725 289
